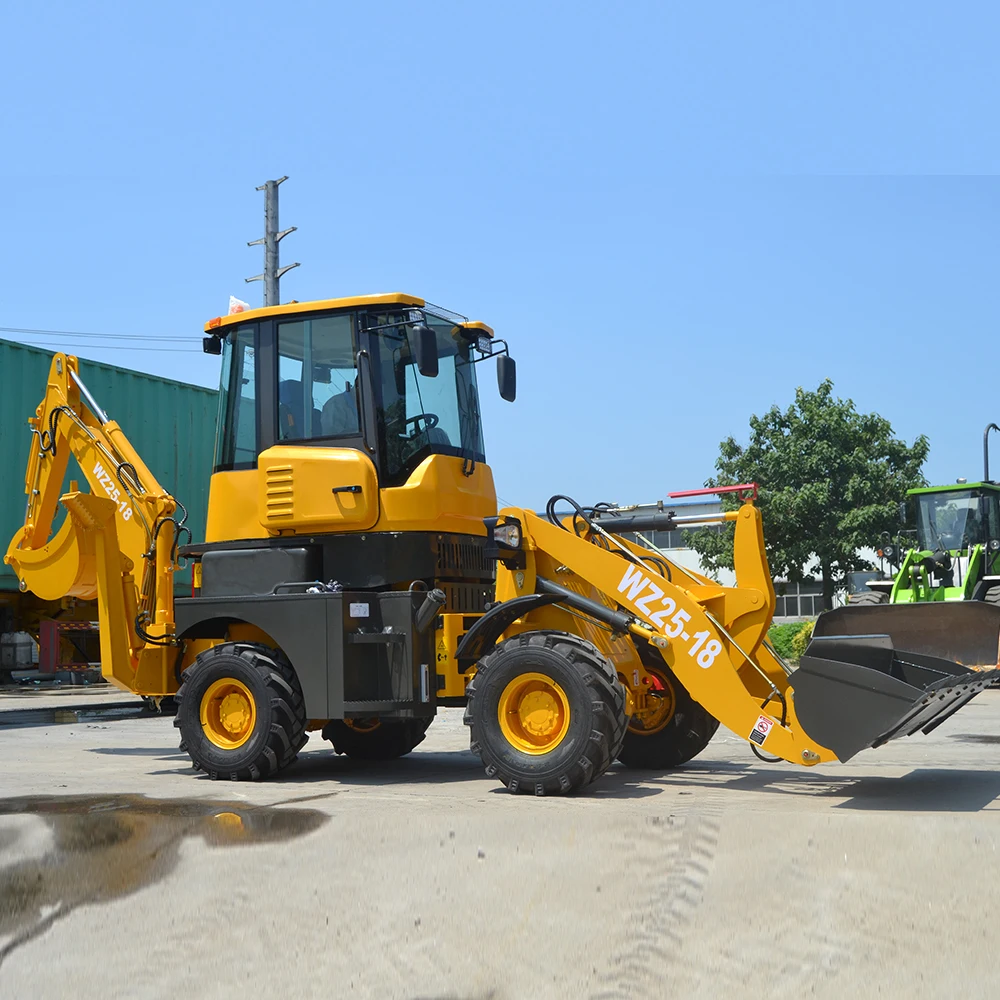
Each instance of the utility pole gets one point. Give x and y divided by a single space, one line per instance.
271 239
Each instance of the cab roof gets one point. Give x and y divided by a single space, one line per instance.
318 305
953 488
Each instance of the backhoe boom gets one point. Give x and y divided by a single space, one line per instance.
117 542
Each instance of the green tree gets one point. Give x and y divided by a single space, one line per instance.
830 479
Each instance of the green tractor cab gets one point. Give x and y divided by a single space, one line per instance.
939 591
957 551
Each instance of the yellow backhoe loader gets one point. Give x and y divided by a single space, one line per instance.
356 575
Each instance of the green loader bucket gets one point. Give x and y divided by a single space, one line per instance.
967 632
853 692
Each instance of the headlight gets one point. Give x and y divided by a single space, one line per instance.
889 550
508 535
995 545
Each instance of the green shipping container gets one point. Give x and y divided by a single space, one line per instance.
170 424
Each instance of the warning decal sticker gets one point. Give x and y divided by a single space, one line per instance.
760 731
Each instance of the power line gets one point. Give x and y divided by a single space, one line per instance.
112 347
63 344
60 339
78 333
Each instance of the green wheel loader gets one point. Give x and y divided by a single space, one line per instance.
941 595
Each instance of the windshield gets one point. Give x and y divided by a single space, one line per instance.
419 415
949 520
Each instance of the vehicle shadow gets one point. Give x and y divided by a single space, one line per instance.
159 752
921 790
421 768
993 738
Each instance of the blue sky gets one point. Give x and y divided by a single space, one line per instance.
675 213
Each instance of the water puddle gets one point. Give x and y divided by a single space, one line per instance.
20 718
104 847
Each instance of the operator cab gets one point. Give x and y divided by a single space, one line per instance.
953 520
387 375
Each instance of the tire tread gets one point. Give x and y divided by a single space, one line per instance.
287 733
604 743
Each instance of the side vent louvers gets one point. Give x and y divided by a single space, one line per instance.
280 493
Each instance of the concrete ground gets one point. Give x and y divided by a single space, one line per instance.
423 879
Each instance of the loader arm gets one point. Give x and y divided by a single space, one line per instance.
711 637
846 694
117 543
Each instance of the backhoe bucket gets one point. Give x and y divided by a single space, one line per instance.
853 692
967 632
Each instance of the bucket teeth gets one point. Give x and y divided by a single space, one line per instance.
853 692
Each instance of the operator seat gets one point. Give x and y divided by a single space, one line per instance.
340 414
291 412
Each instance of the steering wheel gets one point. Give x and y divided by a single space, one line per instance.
430 420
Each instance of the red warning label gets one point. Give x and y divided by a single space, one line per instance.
761 729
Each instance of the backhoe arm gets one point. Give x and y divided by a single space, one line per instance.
117 542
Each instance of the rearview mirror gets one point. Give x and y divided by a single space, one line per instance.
902 512
507 377
426 350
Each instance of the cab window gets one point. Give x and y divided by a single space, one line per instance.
236 446
317 379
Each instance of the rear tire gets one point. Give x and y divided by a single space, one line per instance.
240 712
992 596
865 597
386 740
675 737
546 713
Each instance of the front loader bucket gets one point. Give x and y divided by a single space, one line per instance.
853 692
967 632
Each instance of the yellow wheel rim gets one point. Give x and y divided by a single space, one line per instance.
363 725
660 707
228 713
534 713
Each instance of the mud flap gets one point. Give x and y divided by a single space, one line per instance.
854 692
965 631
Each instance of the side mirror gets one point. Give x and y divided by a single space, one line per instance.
902 512
425 349
507 377
211 345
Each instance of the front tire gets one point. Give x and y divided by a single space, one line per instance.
380 739
868 597
240 712
546 713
